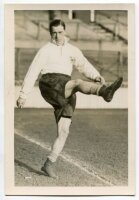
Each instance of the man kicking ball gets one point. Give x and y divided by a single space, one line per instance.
55 61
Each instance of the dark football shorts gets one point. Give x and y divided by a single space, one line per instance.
52 87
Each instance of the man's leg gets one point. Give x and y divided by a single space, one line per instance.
97 88
79 85
63 131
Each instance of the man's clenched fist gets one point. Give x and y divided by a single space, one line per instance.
20 102
100 79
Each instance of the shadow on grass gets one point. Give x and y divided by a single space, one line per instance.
30 169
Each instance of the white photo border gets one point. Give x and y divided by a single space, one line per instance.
10 188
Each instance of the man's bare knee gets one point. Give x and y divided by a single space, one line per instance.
63 128
72 87
77 82
73 84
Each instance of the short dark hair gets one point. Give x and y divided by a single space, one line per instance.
56 22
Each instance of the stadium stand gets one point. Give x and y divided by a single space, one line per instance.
103 42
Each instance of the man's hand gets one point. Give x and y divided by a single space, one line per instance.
20 102
100 79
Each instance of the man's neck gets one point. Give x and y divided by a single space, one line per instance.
60 44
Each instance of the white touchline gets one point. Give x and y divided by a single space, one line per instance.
66 157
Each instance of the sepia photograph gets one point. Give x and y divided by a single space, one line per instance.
69 90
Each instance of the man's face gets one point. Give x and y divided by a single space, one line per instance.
58 34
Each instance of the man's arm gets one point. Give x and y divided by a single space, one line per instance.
31 77
86 68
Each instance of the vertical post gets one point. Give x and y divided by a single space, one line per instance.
92 15
116 28
99 48
100 54
70 14
120 63
25 21
17 63
39 29
77 30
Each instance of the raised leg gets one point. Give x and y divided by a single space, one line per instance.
84 87
98 88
